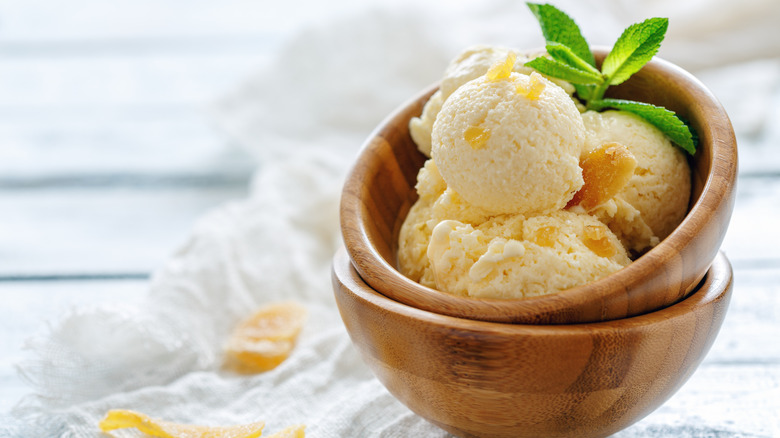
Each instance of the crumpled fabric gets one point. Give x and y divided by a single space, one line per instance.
304 117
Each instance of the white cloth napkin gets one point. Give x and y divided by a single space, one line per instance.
305 117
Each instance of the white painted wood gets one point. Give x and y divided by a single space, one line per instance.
112 230
44 20
753 234
111 114
750 334
719 400
82 82
142 140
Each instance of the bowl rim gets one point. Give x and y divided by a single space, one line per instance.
717 189
716 285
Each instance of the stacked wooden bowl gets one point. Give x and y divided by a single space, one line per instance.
587 361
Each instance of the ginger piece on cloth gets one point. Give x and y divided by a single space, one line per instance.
121 418
265 339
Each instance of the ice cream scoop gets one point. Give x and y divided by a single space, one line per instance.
513 257
470 64
379 193
510 143
655 200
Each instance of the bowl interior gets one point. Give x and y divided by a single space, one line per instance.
380 190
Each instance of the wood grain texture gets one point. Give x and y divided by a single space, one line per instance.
477 378
380 189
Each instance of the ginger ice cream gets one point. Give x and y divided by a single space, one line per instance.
512 257
510 143
509 206
468 65
656 198
450 245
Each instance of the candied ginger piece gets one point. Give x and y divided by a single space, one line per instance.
296 431
476 136
597 240
122 418
605 171
502 70
533 89
264 340
546 236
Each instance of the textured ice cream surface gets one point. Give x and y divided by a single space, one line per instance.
420 127
477 254
417 226
430 185
497 215
475 62
510 145
655 200
466 66
515 257
627 223
413 242
436 203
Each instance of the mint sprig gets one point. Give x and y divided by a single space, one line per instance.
635 48
571 60
558 69
557 27
562 53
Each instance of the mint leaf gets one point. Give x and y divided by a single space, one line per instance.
635 47
558 27
666 121
563 71
573 61
566 55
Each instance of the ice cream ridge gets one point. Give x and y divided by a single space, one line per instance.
525 193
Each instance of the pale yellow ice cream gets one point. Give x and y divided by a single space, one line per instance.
656 198
469 64
515 257
492 219
436 203
450 245
510 145
417 227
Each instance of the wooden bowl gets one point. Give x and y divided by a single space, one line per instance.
487 379
379 191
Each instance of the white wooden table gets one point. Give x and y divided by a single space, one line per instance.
106 154
107 158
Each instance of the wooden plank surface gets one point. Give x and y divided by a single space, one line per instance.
116 114
78 20
107 154
753 235
113 230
